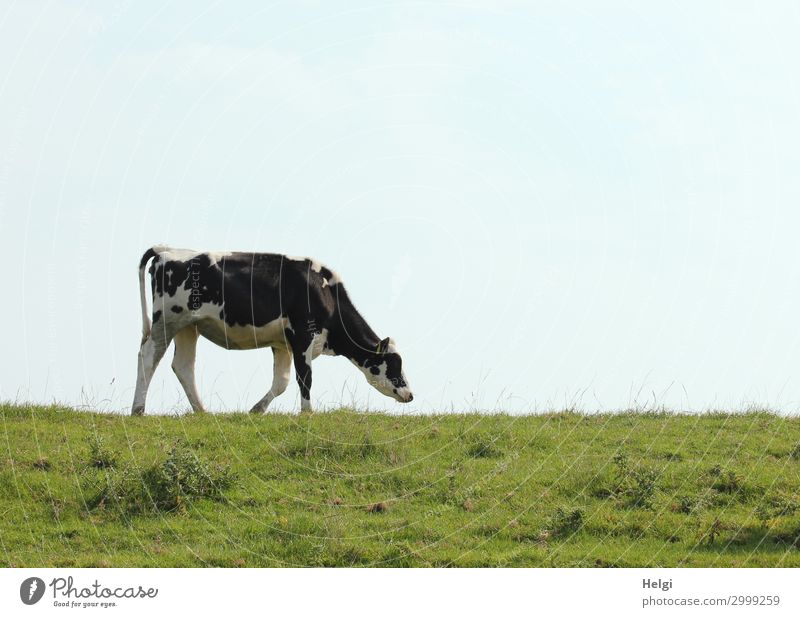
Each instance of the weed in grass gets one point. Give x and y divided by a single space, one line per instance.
368 447
565 522
183 474
56 508
645 484
790 538
794 453
711 533
100 456
42 464
775 506
688 504
726 481
483 447
636 486
377 508
731 483
163 487
346 556
322 449
621 464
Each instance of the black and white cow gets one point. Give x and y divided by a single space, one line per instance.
295 305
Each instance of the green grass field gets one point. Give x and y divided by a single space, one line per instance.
362 489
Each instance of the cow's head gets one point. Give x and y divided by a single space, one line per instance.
383 369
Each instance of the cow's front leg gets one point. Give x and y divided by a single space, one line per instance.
281 372
302 366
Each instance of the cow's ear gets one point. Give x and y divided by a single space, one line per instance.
383 345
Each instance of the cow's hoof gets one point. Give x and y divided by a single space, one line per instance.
258 410
137 411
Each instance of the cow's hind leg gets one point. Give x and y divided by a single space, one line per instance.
183 364
150 353
281 371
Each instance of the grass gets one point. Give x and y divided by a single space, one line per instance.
363 489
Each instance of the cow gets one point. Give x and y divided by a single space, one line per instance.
243 300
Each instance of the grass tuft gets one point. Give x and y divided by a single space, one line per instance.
163 487
100 456
565 522
42 464
483 447
635 485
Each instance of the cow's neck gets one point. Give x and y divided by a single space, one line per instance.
350 335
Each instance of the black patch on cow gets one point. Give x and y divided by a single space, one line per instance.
148 255
394 367
326 273
176 309
156 316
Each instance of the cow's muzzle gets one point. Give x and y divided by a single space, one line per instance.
404 397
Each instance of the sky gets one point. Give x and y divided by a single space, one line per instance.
547 205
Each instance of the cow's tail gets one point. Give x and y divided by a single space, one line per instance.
146 324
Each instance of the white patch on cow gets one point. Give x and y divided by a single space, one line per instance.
318 345
335 278
173 254
272 334
383 385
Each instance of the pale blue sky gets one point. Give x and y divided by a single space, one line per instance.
557 203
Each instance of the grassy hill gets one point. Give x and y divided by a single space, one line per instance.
362 489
